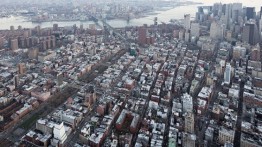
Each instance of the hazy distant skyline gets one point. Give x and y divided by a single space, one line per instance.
247 3
252 3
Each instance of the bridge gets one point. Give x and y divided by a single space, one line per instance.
105 24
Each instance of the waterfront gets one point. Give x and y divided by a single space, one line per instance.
163 16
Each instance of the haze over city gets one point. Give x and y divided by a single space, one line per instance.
130 73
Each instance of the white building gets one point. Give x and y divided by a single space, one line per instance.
187 23
227 74
59 134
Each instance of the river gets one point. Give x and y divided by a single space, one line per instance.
163 16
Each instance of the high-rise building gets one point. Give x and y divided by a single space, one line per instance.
200 9
250 12
187 36
237 6
227 74
14 44
216 31
235 15
38 30
33 53
237 11
239 52
48 42
187 23
16 81
21 42
21 68
260 24
53 42
12 28
255 53
142 32
228 35
217 9
43 45
195 29
59 134
1 42
250 33
19 28
189 123
260 14
181 35
228 14
260 29
55 27
26 34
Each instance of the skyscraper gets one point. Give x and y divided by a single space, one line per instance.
217 9
14 44
21 68
20 28
142 31
55 27
237 6
236 11
1 42
250 13
250 33
227 74
260 29
187 36
216 31
195 29
12 28
187 23
260 14
228 14
235 15
255 53
16 81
